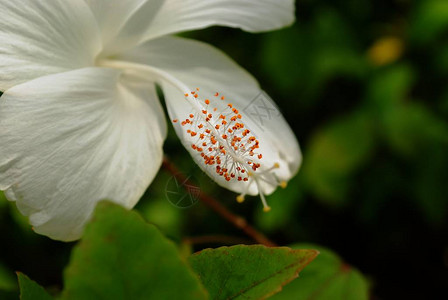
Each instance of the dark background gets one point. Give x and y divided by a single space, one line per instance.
364 86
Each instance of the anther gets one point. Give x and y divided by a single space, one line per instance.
226 145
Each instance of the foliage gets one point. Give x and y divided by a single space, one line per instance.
122 257
248 272
327 277
29 289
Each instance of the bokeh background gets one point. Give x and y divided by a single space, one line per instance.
364 85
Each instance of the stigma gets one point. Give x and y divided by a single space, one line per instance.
226 145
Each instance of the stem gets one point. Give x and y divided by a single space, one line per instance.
221 210
216 239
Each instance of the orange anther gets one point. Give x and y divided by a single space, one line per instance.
207 101
175 120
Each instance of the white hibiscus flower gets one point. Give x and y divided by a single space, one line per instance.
80 120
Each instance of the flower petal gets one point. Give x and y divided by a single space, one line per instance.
195 64
44 37
128 23
250 15
123 23
72 139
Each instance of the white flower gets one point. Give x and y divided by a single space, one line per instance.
80 120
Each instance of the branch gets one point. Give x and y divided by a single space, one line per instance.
221 210
216 239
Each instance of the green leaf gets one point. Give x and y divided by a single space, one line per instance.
122 257
3 201
390 86
428 184
327 277
302 59
412 128
415 132
429 21
334 154
7 279
248 272
30 290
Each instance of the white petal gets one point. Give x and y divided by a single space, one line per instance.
251 15
123 23
72 139
44 37
196 64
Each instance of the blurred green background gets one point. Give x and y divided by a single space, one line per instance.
364 85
